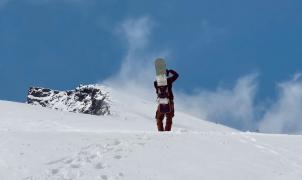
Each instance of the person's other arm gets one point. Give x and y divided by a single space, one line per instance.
155 86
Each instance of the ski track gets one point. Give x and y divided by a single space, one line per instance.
99 160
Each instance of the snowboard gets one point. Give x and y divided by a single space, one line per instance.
160 67
162 83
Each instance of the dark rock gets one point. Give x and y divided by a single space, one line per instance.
88 99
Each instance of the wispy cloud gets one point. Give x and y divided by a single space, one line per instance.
285 116
136 31
236 107
136 63
137 66
233 107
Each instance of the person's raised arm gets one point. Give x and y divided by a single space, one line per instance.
175 75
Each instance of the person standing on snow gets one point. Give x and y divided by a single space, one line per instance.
169 115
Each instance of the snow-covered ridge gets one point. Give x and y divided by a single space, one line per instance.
88 99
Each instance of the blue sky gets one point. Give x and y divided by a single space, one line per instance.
212 43
60 44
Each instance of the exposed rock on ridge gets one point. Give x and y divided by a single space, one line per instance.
88 99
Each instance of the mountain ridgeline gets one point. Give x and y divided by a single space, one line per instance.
87 99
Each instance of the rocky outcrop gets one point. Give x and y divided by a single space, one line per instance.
88 99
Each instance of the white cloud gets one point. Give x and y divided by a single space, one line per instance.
136 31
236 107
285 116
233 107
137 61
137 68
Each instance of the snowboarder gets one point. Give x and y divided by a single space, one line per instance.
160 115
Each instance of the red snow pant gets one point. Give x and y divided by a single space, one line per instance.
160 117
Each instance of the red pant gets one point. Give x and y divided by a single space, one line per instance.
160 117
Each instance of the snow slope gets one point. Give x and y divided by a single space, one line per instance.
42 144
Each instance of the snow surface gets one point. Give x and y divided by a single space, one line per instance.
43 144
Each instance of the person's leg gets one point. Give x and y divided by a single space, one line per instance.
159 119
168 123
169 117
